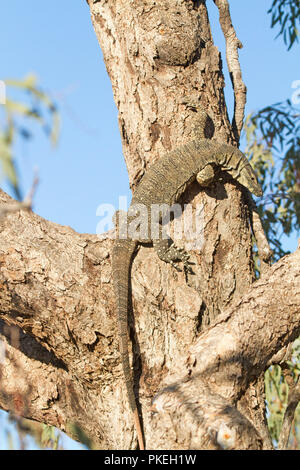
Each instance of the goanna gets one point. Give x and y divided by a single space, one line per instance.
164 183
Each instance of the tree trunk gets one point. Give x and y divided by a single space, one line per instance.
200 343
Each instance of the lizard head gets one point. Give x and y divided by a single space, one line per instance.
247 178
236 164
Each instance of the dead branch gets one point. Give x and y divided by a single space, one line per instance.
233 44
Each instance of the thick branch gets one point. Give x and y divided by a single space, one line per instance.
35 384
54 287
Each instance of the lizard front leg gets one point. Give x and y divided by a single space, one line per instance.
168 252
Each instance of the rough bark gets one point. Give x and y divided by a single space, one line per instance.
201 344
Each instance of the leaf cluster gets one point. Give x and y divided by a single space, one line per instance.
273 146
16 122
286 15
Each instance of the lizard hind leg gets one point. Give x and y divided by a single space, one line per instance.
169 253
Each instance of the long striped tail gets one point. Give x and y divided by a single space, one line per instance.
121 264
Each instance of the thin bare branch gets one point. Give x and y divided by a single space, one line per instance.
264 251
233 44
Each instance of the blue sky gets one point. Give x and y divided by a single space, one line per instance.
55 40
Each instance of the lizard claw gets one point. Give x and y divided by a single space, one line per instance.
175 266
184 257
187 267
174 256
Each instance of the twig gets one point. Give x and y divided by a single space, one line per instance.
234 68
26 204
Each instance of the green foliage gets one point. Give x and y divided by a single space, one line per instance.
276 390
286 15
79 434
49 437
276 395
294 364
17 116
273 146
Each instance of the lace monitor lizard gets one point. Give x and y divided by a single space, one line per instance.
163 183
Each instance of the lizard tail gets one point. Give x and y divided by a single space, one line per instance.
121 263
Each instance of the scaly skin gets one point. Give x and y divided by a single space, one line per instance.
164 183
